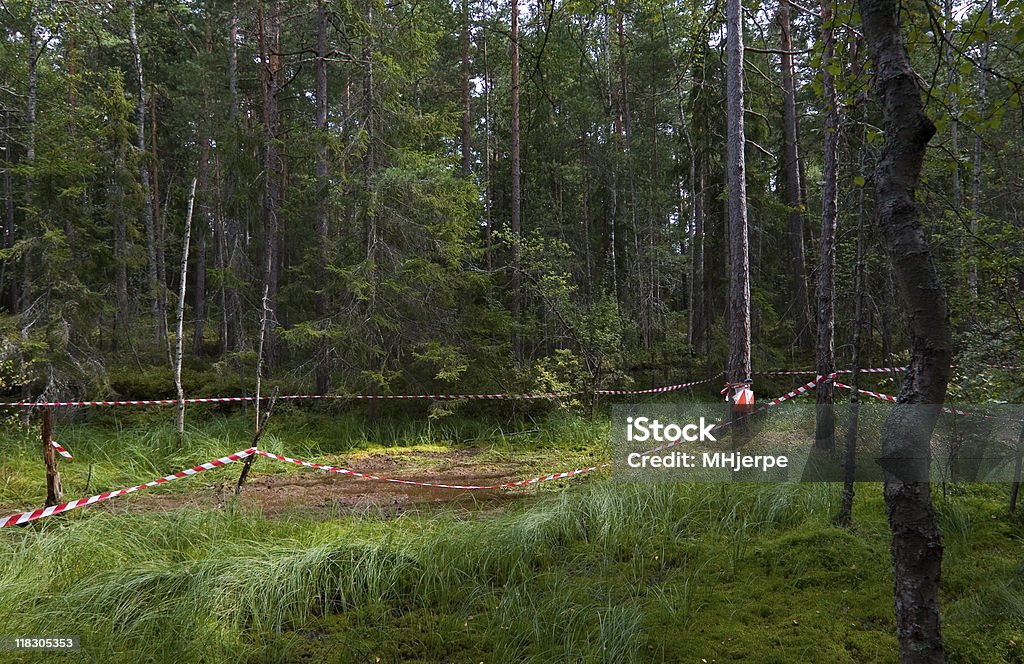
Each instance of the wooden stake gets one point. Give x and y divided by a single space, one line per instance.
255 443
53 488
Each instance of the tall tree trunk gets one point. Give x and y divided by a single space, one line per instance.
118 208
270 43
233 324
233 61
794 190
147 193
697 297
323 366
845 516
199 296
972 268
160 287
738 369
179 338
516 221
30 157
9 278
465 91
916 542
488 185
952 100
824 436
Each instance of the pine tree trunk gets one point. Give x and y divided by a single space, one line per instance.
9 279
845 516
466 136
269 28
323 366
916 542
516 220
160 287
794 200
738 368
972 267
697 296
147 193
30 155
824 435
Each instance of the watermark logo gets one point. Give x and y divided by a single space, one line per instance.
644 429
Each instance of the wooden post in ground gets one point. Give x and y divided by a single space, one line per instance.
255 443
53 488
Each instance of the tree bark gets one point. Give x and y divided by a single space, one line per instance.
697 331
516 220
972 265
952 101
466 136
323 367
147 193
54 492
794 190
916 542
9 279
270 35
30 154
738 369
824 436
180 335
845 516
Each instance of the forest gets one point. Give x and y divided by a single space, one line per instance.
556 199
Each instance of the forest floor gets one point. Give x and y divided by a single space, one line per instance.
310 566
324 494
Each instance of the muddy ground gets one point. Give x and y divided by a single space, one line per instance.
305 490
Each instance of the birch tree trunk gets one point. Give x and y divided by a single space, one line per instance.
916 542
180 336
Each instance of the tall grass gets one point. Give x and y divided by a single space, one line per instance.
600 572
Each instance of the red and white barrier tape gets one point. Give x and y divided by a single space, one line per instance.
781 372
25 517
889 397
341 397
656 390
877 395
367 476
60 450
800 390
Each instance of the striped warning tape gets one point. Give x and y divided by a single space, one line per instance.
368 476
801 390
802 372
25 517
877 395
60 450
297 397
889 397
656 390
